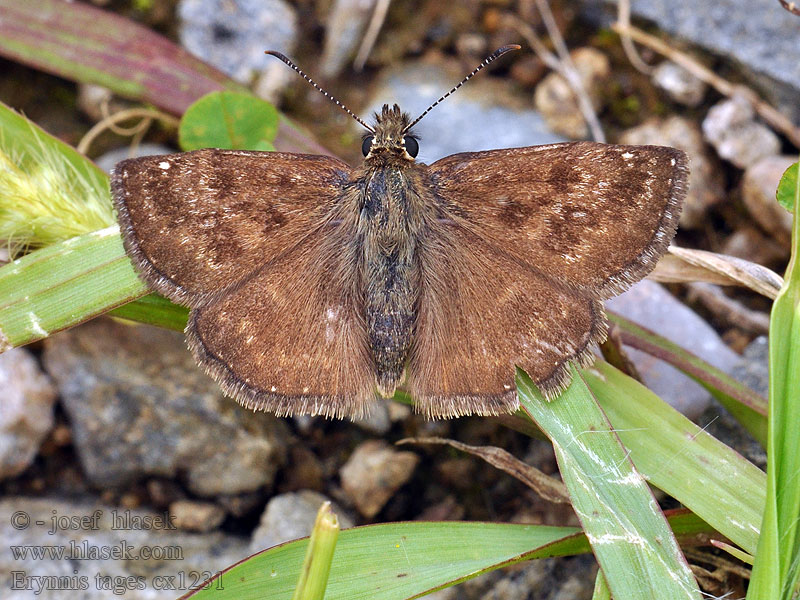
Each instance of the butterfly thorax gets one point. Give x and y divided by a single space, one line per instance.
390 222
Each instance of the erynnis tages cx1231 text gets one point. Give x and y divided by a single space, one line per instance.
314 285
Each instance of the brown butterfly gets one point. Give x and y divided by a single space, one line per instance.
314 285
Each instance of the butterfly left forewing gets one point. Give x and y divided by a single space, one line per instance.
594 216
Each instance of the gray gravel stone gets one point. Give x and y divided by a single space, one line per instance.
191 515
233 34
556 100
758 193
373 473
679 84
760 35
650 305
291 516
139 406
731 128
26 410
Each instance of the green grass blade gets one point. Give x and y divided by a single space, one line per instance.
601 591
748 407
675 455
63 285
154 310
319 556
48 192
83 43
630 537
397 560
776 570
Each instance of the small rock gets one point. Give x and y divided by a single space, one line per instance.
482 115
26 410
92 99
650 305
731 128
306 472
164 492
750 244
705 182
140 407
190 515
758 192
528 70
231 34
556 100
679 84
471 44
373 473
447 509
398 411
291 516
378 422
552 578
241 505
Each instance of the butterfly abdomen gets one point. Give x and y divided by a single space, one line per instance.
389 225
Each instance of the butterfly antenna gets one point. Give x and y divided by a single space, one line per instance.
324 93
492 57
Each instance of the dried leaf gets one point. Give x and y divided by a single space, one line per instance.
681 265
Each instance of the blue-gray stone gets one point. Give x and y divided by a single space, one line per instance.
760 34
232 35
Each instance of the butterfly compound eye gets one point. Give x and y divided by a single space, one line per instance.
412 146
366 145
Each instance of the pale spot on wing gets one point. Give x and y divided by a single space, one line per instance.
627 155
164 165
331 320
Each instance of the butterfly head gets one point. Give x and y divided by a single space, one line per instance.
390 138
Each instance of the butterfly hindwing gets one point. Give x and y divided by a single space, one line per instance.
196 223
482 313
291 339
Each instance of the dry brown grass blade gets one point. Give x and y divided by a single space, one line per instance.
548 488
560 63
770 115
682 265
